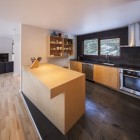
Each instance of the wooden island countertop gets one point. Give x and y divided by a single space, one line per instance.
59 93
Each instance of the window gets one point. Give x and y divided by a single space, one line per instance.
91 47
110 47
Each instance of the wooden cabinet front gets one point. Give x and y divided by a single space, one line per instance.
75 65
106 75
59 46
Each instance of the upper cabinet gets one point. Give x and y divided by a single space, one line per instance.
59 46
68 46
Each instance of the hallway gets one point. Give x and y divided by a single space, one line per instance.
14 120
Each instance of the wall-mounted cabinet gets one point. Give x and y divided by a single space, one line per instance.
68 46
59 46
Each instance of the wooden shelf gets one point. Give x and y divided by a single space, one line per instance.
56 44
56 50
65 48
55 36
56 56
67 44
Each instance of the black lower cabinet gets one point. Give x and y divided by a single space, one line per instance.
9 66
2 68
6 67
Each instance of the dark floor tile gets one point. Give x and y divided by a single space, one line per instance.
109 115
89 88
42 123
34 110
127 108
101 96
96 106
129 99
54 134
76 133
94 115
122 114
91 127
117 132
103 135
128 136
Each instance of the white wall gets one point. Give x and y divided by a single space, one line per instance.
6 46
10 32
34 44
17 50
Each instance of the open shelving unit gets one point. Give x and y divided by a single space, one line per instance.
68 46
59 46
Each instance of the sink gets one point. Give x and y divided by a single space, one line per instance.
110 64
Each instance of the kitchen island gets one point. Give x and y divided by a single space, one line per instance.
57 92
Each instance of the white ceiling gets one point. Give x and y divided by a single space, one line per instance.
8 29
72 16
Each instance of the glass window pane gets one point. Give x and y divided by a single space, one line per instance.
91 47
110 47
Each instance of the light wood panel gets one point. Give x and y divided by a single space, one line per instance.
34 64
106 75
76 66
58 93
59 46
14 121
52 75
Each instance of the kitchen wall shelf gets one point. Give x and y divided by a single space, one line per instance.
59 46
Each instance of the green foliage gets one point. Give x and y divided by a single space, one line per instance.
110 47
91 47
107 47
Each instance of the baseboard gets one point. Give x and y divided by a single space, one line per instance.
31 118
15 74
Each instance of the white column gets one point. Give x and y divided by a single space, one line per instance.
137 34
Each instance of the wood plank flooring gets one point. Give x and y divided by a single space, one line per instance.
15 123
109 115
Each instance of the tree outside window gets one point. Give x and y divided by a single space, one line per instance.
110 47
91 47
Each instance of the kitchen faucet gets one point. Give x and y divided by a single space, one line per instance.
107 58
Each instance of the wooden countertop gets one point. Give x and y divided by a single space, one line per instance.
53 76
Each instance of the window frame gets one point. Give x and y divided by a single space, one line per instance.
106 39
97 46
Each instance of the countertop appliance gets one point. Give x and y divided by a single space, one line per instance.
87 68
130 81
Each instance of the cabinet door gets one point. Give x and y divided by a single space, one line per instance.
75 65
106 75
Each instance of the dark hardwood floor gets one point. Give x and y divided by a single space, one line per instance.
109 115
